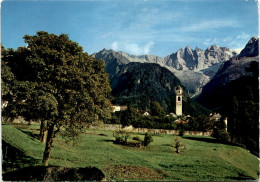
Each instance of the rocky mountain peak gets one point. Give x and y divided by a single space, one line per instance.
188 49
213 47
253 39
251 49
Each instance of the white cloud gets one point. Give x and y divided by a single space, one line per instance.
136 49
132 48
239 41
243 36
236 42
209 25
147 47
114 46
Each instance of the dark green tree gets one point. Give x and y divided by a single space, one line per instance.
233 119
204 123
60 84
156 109
130 116
7 78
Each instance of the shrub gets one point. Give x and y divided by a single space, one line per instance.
136 144
221 135
137 138
181 131
121 136
147 139
178 144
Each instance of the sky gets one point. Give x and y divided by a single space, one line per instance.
134 26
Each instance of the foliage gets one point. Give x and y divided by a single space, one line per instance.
156 109
181 131
57 82
181 127
178 144
243 124
129 116
221 135
200 123
121 136
154 122
7 77
147 139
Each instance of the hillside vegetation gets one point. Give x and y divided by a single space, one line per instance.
201 159
138 84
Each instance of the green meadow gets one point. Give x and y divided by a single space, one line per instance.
201 159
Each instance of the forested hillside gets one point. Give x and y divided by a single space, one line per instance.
138 84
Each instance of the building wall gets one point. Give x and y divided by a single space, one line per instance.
178 105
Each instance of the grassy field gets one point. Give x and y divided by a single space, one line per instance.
202 158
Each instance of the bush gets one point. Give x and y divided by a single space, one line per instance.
137 138
147 139
178 144
181 131
121 136
221 135
181 128
136 144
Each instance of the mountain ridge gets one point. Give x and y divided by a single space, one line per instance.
190 66
244 65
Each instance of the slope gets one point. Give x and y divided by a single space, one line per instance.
202 159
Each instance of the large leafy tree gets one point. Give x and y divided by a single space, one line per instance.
60 84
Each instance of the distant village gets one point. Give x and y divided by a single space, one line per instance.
178 111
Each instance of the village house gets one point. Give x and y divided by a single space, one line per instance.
119 108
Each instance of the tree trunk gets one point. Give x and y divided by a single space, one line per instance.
43 132
44 137
48 145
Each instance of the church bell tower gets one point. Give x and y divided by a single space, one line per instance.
178 92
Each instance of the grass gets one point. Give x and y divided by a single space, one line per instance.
202 158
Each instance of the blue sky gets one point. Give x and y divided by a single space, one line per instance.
133 26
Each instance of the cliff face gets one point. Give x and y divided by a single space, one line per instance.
198 59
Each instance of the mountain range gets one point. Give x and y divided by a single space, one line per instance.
138 80
194 68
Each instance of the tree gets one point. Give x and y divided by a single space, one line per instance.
60 84
7 78
156 109
130 116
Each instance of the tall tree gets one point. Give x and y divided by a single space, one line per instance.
61 85
156 109
7 77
